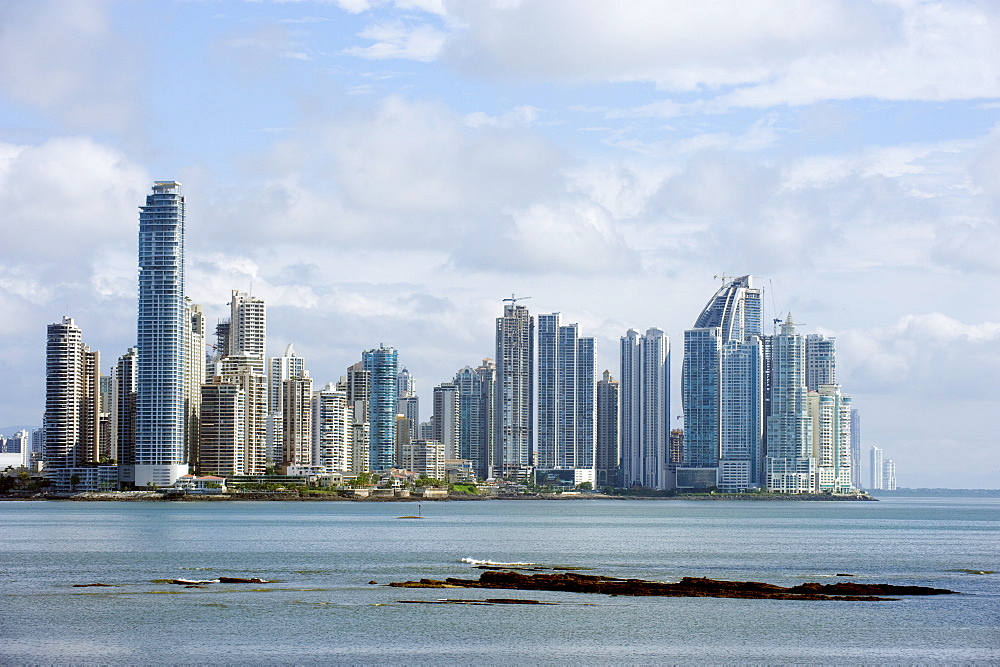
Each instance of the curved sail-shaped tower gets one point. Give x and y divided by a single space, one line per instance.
722 390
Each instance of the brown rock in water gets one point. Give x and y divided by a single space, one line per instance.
89 585
851 588
686 587
239 580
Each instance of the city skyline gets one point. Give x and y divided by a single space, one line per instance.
735 381
390 171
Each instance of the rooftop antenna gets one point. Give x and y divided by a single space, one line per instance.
724 278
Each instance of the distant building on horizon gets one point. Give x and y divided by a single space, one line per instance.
856 449
882 471
875 468
888 475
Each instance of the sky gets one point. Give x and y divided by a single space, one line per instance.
385 171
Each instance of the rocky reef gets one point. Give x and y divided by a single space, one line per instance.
686 587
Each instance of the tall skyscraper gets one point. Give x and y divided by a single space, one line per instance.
513 409
160 457
855 449
296 413
242 370
406 385
123 414
475 401
194 376
72 398
875 469
105 443
567 428
645 410
608 450
279 369
223 428
830 412
358 385
888 475
409 407
408 403
447 405
790 466
333 424
721 386
220 349
247 327
821 361
741 415
381 363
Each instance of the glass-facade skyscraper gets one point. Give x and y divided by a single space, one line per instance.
790 466
722 389
608 450
567 430
382 364
645 410
160 456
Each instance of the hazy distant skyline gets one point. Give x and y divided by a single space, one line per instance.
389 171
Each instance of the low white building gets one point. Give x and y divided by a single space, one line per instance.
204 484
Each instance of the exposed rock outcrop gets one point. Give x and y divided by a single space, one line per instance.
686 587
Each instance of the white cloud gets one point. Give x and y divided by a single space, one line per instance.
65 60
929 354
772 52
568 236
421 42
65 197
522 115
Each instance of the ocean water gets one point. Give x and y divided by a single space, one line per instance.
322 556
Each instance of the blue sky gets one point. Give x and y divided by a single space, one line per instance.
389 171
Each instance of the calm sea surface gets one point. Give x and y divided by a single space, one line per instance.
323 554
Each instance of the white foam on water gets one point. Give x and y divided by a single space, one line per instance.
473 561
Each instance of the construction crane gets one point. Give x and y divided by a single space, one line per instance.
514 299
724 278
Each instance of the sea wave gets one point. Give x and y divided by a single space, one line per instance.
473 561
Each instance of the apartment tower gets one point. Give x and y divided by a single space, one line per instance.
160 456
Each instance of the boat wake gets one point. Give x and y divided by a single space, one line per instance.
473 561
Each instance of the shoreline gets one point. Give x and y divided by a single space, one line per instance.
159 496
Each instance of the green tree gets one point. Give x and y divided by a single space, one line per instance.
73 481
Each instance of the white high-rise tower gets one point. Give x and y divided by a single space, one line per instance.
645 410
160 456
